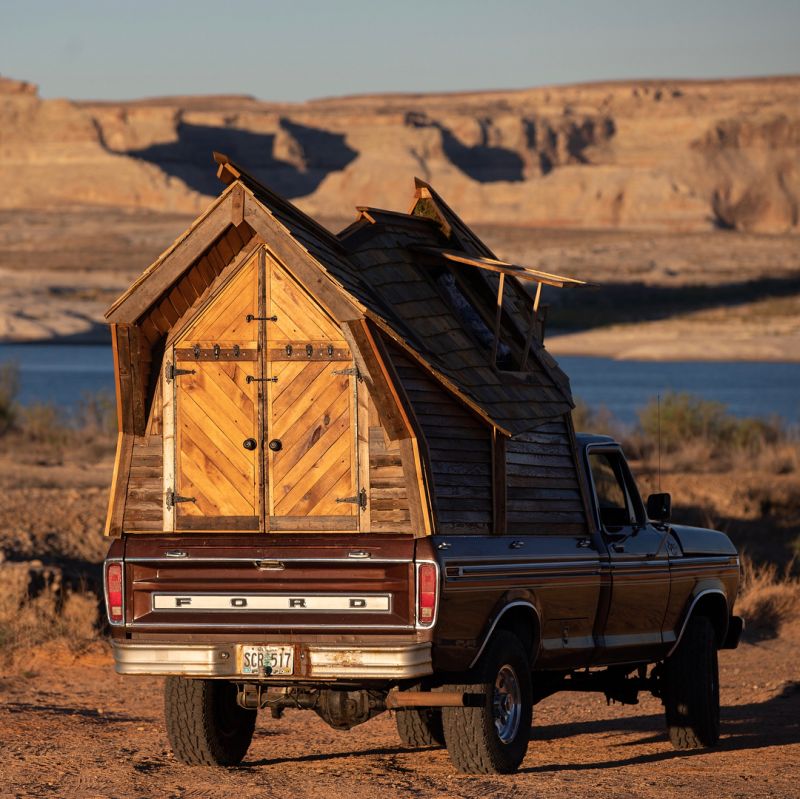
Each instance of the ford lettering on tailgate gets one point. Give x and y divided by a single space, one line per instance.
370 603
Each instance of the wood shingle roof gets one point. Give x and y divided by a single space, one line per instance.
393 269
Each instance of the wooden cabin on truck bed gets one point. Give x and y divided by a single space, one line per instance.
275 377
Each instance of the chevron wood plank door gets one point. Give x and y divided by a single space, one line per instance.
217 421
312 470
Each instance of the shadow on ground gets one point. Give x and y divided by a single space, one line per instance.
621 303
745 727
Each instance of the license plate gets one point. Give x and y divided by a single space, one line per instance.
266 661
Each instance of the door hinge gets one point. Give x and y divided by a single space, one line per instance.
359 499
171 371
353 371
173 499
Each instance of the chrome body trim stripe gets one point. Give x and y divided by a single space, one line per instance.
517 568
289 625
254 559
711 560
327 662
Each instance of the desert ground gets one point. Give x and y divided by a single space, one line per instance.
713 295
70 727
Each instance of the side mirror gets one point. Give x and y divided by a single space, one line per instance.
659 507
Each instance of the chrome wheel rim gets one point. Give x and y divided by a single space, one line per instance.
506 704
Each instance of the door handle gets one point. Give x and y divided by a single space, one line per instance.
516 545
250 444
618 547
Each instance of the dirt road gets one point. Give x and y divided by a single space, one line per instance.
74 729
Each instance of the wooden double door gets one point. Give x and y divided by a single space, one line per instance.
264 399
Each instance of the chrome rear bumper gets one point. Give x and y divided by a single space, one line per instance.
312 661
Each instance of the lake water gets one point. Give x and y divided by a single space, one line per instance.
63 374
755 388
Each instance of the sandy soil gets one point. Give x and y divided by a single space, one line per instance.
762 331
703 295
72 728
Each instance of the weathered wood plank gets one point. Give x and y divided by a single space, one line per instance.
171 265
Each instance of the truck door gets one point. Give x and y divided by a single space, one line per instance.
637 559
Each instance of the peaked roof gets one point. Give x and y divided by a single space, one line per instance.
375 269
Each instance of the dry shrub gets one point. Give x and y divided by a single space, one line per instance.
699 435
35 608
44 423
694 455
9 388
767 599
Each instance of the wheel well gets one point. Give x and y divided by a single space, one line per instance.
522 621
714 607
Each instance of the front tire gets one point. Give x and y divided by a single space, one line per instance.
205 725
492 738
691 688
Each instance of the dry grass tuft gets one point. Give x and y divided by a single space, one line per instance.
767 599
36 608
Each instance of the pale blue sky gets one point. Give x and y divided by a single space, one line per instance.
299 49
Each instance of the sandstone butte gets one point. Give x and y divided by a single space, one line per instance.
661 154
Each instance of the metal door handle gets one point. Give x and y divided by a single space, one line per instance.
249 443
275 445
618 547
516 544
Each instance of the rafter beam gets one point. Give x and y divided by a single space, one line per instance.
503 267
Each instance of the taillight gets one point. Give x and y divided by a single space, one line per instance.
427 585
114 592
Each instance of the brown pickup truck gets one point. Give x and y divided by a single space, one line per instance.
347 481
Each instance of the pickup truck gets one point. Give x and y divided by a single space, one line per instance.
460 635
347 480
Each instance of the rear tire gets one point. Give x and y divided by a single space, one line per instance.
691 688
493 737
205 725
421 727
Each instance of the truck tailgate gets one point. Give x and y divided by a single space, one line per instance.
310 582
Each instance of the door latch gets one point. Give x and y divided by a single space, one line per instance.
173 499
171 371
353 371
359 499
